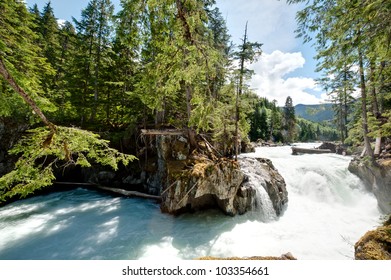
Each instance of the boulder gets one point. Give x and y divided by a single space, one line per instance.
263 173
208 184
377 179
334 148
375 244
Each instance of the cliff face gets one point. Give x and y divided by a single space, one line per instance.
377 180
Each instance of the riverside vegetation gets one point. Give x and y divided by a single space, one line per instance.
172 65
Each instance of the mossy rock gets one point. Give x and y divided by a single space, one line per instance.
375 244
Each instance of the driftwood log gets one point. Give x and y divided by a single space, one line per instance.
297 150
113 190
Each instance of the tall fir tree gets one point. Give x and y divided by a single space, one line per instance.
94 42
289 120
22 58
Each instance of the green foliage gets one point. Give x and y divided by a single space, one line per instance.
289 120
21 54
42 151
311 131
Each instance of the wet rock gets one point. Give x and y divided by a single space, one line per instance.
267 176
377 179
247 147
335 148
208 184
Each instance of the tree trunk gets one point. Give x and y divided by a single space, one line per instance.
377 146
188 102
375 104
7 76
239 93
367 142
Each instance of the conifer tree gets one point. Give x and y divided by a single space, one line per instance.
289 120
20 54
352 33
49 43
248 52
94 36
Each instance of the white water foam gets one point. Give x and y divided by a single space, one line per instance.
327 212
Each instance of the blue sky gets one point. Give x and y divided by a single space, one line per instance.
286 66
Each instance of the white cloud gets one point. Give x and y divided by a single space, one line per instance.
270 22
61 22
271 81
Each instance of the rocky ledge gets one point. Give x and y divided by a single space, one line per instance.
193 180
376 178
375 244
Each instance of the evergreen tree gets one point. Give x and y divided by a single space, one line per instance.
124 104
94 42
21 56
352 33
289 120
248 53
49 43
65 80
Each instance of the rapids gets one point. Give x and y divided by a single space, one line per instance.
327 212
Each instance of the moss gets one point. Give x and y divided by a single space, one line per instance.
375 245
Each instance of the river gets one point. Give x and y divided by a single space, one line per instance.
328 211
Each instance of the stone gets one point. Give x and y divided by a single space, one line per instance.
208 184
106 176
375 244
271 180
335 148
377 179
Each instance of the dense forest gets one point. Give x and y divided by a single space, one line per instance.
171 64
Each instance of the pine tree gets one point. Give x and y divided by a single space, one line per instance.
248 52
352 33
289 120
21 56
94 42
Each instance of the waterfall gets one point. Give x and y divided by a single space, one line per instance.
328 211
262 203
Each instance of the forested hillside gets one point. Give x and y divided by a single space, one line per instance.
171 64
316 113
352 40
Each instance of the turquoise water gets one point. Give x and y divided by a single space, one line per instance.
328 211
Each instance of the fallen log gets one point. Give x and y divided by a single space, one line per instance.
297 150
130 193
112 190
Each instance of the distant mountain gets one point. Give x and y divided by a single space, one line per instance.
315 113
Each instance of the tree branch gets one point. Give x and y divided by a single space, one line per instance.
7 76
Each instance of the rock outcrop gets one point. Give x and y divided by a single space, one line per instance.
192 180
262 173
334 148
376 178
206 183
375 244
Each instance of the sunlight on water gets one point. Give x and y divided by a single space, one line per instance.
328 211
